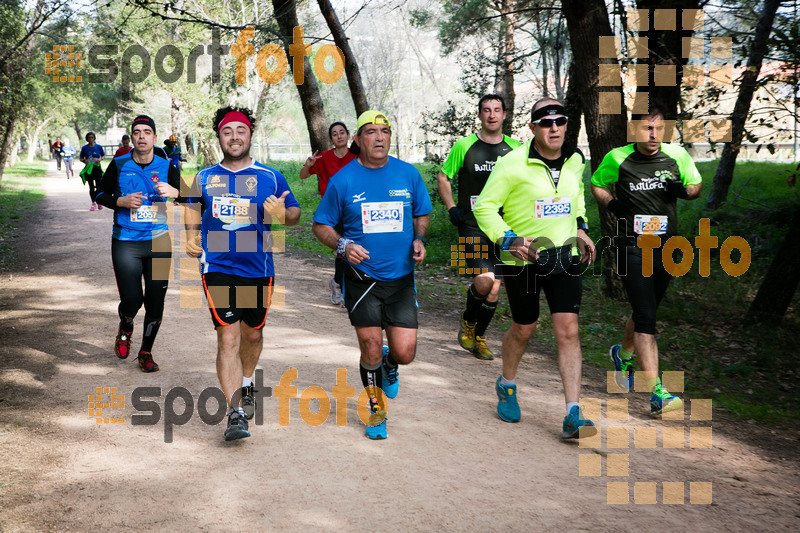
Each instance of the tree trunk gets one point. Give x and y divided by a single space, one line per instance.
351 69
780 282
665 47
317 124
6 134
77 127
574 107
173 117
587 21
724 175
504 82
34 142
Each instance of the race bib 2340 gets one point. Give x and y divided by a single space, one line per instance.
382 217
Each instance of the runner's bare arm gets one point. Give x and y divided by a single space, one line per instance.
694 191
193 217
445 190
326 234
305 170
602 195
354 253
420 230
292 216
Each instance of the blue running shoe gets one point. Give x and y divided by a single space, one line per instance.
662 402
391 383
507 407
573 423
623 374
237 427
376 429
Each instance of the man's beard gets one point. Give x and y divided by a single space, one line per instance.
230 157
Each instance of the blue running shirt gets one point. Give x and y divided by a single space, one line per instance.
95 151
235 238
377 207
124 176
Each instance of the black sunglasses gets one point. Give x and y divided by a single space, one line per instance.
548 122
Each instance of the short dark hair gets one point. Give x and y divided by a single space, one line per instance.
330 128
487 97
86 138
654 108
221 112
126 137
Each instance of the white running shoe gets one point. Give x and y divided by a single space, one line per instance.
336 293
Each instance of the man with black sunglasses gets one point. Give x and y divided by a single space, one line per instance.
542 238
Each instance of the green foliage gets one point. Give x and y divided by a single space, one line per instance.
19 196
307 194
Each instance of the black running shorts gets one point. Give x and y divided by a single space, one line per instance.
371 302
481 254
234 298
644 292
523 285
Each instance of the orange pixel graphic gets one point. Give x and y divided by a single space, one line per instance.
63 55
710 50
607 444
98 403
468 248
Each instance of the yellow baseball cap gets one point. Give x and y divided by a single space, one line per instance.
372 117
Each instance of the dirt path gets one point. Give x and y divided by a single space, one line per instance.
449 462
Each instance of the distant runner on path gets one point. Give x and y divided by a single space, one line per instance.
69 156
91 155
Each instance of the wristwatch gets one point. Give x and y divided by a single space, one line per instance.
582 224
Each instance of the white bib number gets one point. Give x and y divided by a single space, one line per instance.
382 217
145 213
472 200
553 207
230 209
650 224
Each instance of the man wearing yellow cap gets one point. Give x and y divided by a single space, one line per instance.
385 208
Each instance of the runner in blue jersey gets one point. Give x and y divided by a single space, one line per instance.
136 186
230 211
385 208
91 155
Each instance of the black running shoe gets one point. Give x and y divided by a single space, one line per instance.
248 402
237 427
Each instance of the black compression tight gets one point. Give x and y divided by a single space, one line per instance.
134 261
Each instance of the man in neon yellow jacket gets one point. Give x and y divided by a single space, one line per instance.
543 240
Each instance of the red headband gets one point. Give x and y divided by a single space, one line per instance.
234 116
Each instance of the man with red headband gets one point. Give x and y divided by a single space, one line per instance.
230 211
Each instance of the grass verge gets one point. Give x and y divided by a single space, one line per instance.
20 194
